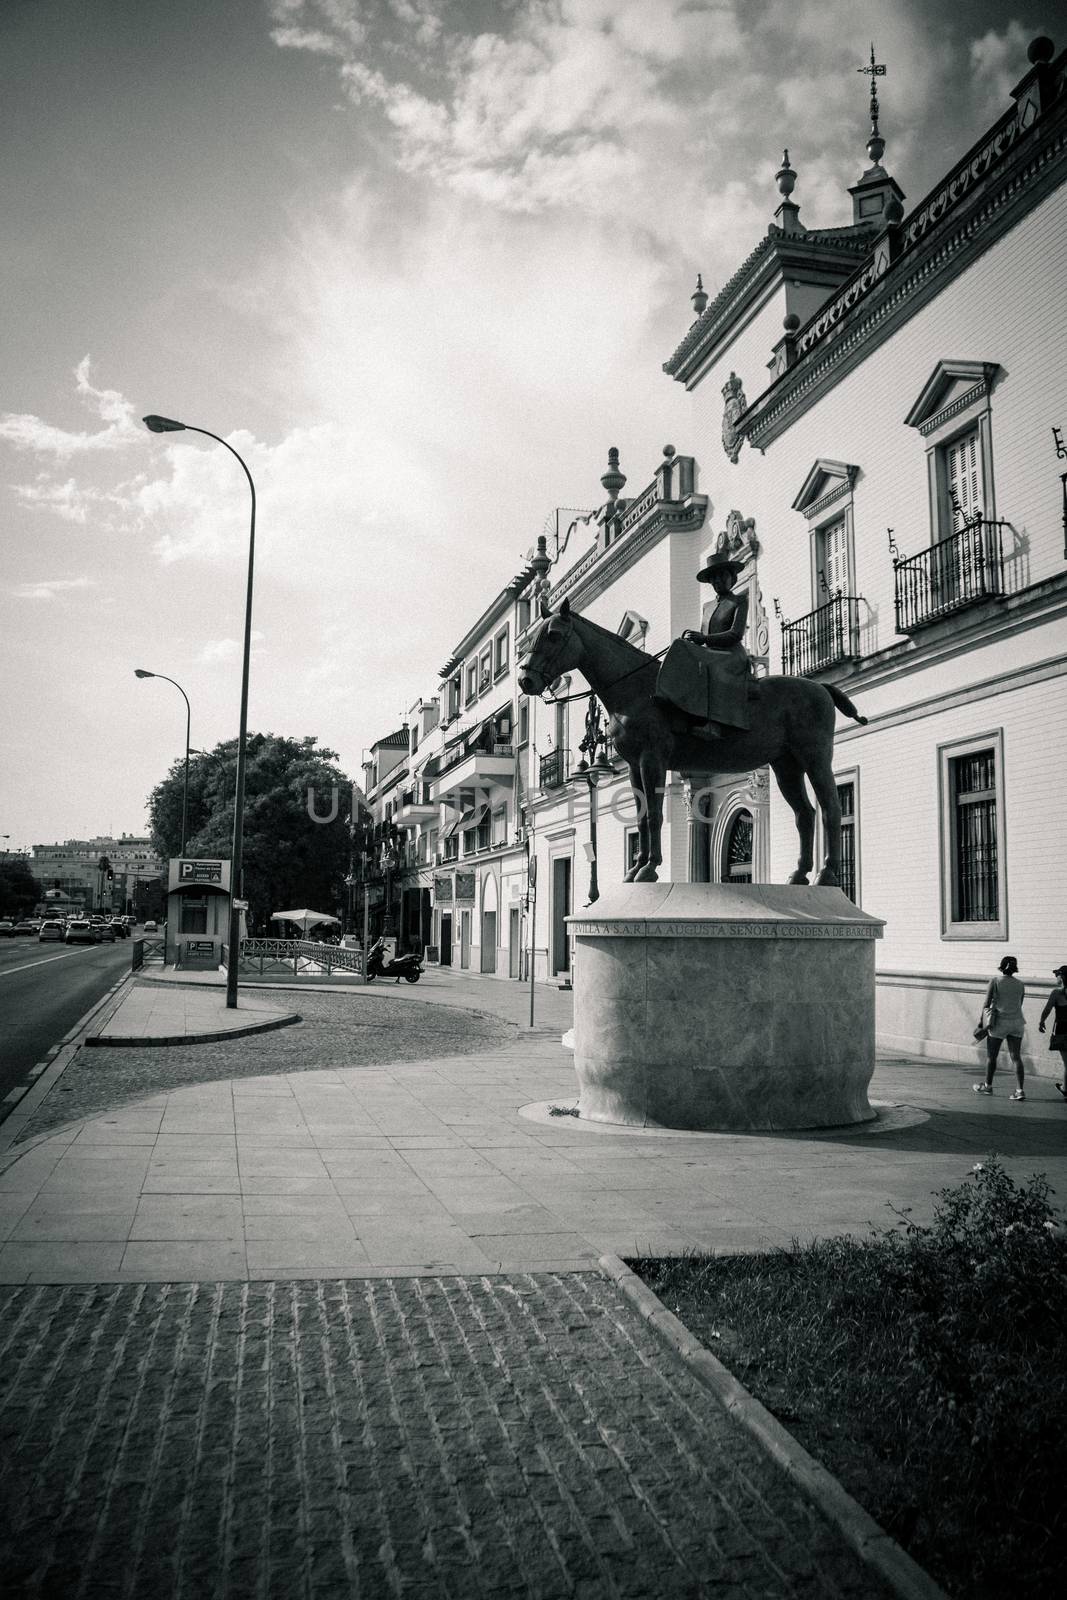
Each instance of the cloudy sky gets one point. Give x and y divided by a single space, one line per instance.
419 261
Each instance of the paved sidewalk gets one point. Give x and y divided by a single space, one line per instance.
342 1330
168 1014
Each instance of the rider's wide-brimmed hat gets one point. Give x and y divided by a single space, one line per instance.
721 561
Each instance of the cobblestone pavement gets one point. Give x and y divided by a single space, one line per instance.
425 1437
338 1030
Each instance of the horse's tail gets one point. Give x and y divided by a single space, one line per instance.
842 702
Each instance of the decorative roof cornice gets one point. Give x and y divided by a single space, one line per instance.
827 247
1004 176
600 568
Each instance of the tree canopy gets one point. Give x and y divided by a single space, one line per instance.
19 889
290 859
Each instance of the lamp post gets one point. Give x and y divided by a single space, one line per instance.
156 424
142 672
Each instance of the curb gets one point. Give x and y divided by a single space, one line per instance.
58 1060
129 1042
871 1543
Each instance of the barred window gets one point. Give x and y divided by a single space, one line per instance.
739 849
846 795
975 893
974 898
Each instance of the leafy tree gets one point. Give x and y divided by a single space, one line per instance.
19 889
289 858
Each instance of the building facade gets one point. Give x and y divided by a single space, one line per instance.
131 881
897 446
874 418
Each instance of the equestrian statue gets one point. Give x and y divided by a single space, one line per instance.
701 710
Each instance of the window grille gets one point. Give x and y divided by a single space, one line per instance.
846 794
974 866
739 849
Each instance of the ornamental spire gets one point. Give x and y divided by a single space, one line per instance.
875 142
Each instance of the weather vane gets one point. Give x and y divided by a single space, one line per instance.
874 71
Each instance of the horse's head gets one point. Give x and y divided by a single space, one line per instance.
553 648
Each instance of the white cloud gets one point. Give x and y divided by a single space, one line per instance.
999 61
50 588
28 432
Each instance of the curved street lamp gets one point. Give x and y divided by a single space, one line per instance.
156 424
142 672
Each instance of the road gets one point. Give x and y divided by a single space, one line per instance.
44 989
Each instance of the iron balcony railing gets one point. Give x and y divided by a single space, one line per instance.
956 572
554 769
828 634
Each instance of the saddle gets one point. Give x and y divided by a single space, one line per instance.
707 685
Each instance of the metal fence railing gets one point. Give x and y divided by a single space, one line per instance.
298 955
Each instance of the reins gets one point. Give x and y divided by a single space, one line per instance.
562 700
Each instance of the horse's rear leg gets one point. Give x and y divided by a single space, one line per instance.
825 786
790 775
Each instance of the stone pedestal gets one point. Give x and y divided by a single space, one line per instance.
724 1006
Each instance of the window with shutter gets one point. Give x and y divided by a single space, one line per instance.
833 552
963 477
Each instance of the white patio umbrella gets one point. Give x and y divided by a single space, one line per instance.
307 919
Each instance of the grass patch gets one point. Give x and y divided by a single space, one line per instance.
924 1366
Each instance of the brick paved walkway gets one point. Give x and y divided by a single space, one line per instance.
421 1437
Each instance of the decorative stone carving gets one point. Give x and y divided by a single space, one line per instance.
735 403
739 537
758 787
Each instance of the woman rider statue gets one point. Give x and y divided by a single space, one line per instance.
707 672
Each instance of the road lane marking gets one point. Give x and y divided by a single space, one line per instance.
45 960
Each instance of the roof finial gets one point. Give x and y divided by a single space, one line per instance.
699 296
614 478
875 143
787 217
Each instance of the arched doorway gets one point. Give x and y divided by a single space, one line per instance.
737 858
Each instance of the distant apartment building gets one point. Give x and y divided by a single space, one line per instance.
132 881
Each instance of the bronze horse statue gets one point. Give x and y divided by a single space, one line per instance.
792 731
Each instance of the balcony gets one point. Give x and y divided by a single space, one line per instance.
493 764
957 572
415 807
825 636
555 769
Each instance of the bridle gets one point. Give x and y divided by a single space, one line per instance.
549 674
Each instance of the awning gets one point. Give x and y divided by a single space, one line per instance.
462 821
198 888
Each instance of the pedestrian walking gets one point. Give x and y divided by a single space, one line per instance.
1057 1003
1004 1003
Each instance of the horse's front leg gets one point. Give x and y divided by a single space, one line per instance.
642 824
653 773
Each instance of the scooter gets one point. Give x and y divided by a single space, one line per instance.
408 967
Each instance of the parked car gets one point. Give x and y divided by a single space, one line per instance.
119 928
151 926
7 928
79 932
26 928
50 930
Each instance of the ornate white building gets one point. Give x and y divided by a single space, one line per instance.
874 414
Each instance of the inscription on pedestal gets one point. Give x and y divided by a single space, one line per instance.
725 930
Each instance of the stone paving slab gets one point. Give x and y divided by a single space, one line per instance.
459 1436
398 1168
167 1015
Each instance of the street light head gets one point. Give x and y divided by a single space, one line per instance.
163 425
141 672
